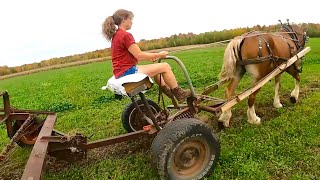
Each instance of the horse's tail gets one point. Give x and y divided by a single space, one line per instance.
231 55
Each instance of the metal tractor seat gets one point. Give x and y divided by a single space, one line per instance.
130 85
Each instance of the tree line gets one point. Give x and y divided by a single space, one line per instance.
313 30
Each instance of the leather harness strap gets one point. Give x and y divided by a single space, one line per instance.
271 57
260 60
260 46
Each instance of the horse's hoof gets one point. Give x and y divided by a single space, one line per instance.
256 121
221 126
277 105
293 100
226 124
225 117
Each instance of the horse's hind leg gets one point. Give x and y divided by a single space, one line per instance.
252 117
276 102
229 92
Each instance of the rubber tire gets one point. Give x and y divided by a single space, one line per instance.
169 139
130 108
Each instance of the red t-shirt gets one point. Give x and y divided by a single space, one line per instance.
122 59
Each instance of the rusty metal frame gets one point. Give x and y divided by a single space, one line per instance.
35 164
47 143
116 139
51 141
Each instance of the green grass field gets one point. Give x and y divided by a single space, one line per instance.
285 146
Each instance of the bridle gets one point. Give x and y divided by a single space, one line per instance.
299 43
294 36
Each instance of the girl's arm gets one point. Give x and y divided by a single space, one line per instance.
140 55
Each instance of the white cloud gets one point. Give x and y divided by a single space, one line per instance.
36 30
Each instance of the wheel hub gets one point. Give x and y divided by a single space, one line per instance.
189 157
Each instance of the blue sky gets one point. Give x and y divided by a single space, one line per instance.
36 30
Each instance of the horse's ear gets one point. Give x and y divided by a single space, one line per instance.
288 22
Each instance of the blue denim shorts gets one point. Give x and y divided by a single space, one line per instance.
132 70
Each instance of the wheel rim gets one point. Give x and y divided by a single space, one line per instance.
136 120
190 158
29 138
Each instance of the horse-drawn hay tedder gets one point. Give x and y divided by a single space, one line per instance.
183 148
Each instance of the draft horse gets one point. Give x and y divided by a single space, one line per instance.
259 53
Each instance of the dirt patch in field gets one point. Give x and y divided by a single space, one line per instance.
95 155
11 173
265 111
305 91
10 170
316 150
279 176
310 87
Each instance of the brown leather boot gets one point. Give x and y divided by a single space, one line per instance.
166 90
181 94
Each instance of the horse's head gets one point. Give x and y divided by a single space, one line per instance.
297 34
